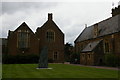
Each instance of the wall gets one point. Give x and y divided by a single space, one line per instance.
55 46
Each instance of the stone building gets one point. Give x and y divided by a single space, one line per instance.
24 41
99 39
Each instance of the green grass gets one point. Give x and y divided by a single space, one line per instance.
0 70
58 71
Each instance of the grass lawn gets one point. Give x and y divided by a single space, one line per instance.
0 70
58 71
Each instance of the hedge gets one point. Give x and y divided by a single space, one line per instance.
19 59
112 60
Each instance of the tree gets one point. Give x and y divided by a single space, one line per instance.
68 51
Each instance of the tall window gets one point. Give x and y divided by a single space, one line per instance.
88 56
23 37
83 56
55 55
107 47
50 35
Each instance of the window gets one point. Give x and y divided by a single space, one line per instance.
83 56
50 35
107 47
55 56
23 37
88 56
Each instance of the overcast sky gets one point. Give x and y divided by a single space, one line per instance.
70 17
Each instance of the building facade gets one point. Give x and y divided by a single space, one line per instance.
99 39
24 41
52 37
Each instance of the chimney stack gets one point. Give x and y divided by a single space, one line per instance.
49 16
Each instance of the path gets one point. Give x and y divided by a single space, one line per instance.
102 67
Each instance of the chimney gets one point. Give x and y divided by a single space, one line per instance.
49 16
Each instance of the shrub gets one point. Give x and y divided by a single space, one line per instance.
112 60
75 58
19 59
50 60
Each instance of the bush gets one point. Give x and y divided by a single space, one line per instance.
112 60
75 58
19 59
50 60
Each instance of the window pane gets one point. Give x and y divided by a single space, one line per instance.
22 39
50 36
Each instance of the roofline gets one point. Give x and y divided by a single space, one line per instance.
54 23
18 28
97 23
98 37
94 47
80 34
27 26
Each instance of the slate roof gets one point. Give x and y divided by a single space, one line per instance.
105 27
91 46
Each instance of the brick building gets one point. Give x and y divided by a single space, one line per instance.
51 36
24 41
99 39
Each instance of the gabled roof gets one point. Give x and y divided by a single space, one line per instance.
50 23
85 35
105 27
24 26
91 46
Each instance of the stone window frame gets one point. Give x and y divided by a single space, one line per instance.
26 40
50 35
106 46
55 56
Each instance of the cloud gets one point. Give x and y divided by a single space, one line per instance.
71 17
12 7
14 13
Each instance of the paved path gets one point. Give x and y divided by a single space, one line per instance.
102 67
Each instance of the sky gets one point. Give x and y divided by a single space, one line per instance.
70 16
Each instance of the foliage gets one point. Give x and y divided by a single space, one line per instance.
112 60
50 60
68 51
75 58
20 58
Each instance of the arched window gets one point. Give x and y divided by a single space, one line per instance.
50 36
